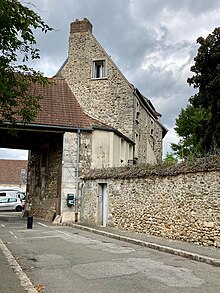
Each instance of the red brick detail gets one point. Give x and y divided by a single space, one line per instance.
81 26
10 171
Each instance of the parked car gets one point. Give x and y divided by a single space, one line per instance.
11 204
12 192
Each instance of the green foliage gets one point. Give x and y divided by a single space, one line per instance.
17 47
199 124
170 160
190 126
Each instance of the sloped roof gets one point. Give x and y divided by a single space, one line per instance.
59 106
10 171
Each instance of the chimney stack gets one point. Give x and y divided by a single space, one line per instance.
79 26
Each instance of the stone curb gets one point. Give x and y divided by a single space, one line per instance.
163 248
23 279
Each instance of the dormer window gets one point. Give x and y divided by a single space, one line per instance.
98 69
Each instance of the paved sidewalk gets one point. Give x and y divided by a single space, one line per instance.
12 278
209 255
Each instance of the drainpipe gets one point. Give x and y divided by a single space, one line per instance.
77 175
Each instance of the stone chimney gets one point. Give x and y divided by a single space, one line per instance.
79 26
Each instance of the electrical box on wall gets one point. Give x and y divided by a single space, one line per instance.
70 199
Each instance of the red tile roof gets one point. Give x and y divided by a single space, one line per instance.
59 106
10 171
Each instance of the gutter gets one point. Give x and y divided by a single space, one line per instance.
45 127
61 128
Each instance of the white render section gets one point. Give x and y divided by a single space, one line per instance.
109 150
69 159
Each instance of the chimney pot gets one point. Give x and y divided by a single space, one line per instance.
81 26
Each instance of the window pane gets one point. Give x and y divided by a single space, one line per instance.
98 69
12 199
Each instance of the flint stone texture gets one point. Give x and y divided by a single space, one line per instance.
110 99
183 207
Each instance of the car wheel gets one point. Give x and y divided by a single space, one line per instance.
18 209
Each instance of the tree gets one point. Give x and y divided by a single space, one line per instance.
199 123
170 160
17 47
190 126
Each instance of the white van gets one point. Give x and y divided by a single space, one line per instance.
12 199
12 193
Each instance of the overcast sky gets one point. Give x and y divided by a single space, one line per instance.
153 42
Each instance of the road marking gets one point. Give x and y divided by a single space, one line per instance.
30 230
13 234
24 280
42 224
39 237
67 234
2 225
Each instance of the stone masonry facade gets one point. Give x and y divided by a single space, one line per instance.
182 207
110 99
44 171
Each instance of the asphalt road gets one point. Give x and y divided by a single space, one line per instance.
63 259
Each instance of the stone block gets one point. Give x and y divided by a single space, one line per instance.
68 217
57 220
50 216
217 243
209 224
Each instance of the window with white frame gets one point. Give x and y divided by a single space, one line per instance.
98 69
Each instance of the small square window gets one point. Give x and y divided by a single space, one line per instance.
98 69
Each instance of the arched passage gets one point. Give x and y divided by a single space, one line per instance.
45 145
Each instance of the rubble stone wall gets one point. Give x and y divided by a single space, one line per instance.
183 207
44 171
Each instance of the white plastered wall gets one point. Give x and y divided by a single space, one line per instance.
68 184
107 150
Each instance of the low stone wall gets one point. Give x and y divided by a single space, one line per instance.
183 207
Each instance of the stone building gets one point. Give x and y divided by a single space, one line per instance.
91 117
105 94
131 131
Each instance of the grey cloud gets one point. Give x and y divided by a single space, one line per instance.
150 10
13 154
131 31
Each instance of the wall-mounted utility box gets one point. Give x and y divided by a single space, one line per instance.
70 199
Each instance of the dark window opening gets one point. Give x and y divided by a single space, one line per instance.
98 69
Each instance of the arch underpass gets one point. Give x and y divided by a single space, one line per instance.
45 145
